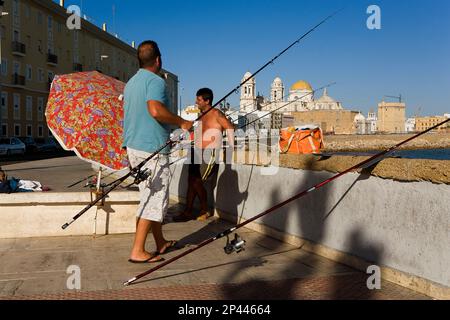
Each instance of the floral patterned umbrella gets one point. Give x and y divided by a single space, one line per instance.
85 114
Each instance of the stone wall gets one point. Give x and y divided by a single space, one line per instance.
391 220
334 121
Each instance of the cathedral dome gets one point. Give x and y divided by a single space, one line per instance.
325 98
359 117
301 85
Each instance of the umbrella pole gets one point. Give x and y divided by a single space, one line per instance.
98 192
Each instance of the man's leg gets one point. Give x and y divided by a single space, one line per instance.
161 243
190 196
138 252
201 192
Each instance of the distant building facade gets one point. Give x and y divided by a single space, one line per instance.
391 117
410 125
296 107
331 121
424 123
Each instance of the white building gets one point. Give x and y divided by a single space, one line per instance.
410 125
300 97
248 94
191 113
372 120
360 124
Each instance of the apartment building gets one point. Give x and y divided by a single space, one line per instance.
424 123
37 45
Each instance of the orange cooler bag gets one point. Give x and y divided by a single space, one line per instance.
301 140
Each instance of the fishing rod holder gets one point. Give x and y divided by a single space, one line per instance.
97 194
237 244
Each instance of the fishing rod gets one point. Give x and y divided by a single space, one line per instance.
136 170
88 177
237 244
265 115
80 181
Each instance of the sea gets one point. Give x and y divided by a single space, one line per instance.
432 154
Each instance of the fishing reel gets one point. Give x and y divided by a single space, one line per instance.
92 183
141 176
237 244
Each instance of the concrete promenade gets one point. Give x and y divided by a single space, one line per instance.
36 268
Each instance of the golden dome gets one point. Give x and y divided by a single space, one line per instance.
192 109
301 85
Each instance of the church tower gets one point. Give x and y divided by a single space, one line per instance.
277 90
248 95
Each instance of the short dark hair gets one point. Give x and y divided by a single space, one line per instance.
147 53
206 94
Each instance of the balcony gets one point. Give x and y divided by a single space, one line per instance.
18 49
77 67
52 59
18 80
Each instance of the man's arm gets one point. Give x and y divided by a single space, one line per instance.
228 126
158 111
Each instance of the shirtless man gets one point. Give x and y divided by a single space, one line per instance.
205 156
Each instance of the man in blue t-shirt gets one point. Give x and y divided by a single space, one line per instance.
146 122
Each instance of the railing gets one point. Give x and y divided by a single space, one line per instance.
18 80
18 47
52 58
77 67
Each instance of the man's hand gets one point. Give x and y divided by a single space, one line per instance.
186 125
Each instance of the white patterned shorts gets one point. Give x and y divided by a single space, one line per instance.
153 192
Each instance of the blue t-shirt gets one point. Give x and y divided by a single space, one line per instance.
140 130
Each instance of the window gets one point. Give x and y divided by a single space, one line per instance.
17 131
4 132
4 105
4 67
39 17
59 26
16 35
27 11
16 104
40 75
40 46
29 72
40 109
51 75
15 7
40 131
16 67
29 130
29 108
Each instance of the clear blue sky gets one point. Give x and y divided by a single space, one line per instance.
213 43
